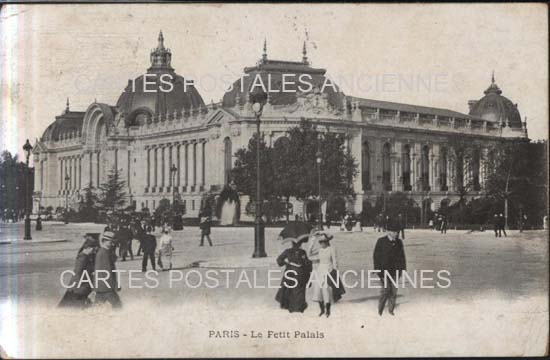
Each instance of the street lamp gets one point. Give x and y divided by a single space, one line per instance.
173 171
67 179
27 148
320 213
259 231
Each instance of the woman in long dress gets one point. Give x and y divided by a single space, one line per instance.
81 286
325 266
292 292
165 249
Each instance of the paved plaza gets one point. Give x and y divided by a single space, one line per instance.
498 295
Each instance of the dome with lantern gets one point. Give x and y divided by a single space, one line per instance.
496 108
146 96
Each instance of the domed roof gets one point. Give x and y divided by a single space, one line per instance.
66 125
268 74
159 91
496 108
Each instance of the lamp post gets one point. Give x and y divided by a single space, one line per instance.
173 171
320 213
27 148
259 231
67 179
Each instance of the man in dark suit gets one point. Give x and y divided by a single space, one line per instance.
124 237
148 245
389 260
205 227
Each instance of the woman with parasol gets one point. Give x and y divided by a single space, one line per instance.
292 292
326 285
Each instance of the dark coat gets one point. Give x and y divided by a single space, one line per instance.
205 225
105 261
148 243
389 256
77 296
294 298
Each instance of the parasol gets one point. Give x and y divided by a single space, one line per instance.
296 231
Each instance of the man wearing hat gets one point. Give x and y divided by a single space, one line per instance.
389 260
105 281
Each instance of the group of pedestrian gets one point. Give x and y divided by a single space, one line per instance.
98 254
499 223
316 266
439 222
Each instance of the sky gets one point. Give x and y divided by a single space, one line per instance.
438 55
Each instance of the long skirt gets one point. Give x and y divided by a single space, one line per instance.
293 298
326 289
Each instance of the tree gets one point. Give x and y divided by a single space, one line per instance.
13 192
88 204
244 171
517 179
113 195
289 168
299 166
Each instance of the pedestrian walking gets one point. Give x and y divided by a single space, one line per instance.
324 277
292 292
501 225
389 261
205 224
443 224
82 280
124 237
165 250
106 281
401 223
149 245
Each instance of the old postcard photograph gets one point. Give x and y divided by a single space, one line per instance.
273 180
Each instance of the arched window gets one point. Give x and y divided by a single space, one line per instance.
227 163
365 167
459 176
407 168
386 167
443 169
475 169
425 168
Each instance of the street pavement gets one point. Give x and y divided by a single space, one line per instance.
496 304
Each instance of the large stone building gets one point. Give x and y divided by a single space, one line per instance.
399 147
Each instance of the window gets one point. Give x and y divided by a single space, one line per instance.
407 168
386 167
365 167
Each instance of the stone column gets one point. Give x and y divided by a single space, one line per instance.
178 164
47 164
203 164
75 174
169 166
483 167
60 173
128 163
148 175
186 166
195 165
398 168
155 151
163 166
98 168
435 186
451 180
